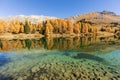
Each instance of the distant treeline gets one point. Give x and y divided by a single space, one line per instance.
55 26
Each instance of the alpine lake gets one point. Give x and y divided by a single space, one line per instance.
70 58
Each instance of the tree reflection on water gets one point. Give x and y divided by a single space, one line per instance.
74 43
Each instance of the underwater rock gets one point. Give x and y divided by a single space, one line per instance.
109 74
35 78
35 69
63 70
20 78
88 69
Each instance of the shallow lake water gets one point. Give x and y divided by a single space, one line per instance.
60 59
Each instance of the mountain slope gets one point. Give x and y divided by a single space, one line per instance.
98 17
31 18
95 17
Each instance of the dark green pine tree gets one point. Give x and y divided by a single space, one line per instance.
27 27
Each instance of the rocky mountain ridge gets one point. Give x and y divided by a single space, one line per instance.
31 18
94 17
98 17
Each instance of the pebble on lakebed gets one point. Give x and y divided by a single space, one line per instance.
71 71
56 67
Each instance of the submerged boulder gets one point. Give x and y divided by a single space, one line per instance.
35 69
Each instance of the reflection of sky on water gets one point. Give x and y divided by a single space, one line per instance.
113 57
4 59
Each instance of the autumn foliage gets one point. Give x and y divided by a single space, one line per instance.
55 26
3 26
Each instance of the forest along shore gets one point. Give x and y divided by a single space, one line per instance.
52 28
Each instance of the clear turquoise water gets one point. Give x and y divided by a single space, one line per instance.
60 59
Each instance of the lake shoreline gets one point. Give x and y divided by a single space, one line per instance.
36 36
